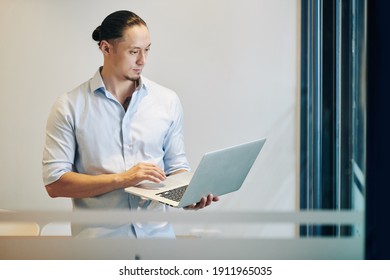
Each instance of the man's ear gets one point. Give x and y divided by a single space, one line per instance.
105 47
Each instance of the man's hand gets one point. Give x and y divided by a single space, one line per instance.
204 202
143 171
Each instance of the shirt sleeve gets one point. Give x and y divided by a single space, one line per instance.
60 144
175 156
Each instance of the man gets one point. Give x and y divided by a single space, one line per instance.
114 131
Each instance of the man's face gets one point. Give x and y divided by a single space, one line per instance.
129 54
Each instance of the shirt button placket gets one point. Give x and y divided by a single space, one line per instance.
127 144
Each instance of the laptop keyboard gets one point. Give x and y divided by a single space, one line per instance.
174 194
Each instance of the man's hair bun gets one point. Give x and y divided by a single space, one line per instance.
96 34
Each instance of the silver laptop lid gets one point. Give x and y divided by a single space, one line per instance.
222 171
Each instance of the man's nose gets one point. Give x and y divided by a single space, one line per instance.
141 58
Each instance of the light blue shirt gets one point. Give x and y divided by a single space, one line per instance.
88 131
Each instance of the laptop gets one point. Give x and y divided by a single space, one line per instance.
218 173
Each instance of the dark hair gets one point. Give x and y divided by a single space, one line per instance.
114 24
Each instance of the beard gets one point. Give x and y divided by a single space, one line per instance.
134 78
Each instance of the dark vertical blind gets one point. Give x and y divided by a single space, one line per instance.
330 56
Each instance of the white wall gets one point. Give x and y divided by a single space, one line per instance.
233 63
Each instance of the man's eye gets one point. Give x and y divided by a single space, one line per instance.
133 52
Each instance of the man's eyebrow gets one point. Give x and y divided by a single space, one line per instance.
138 48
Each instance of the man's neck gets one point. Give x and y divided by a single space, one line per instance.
120 88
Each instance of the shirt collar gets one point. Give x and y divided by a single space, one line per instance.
97 84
